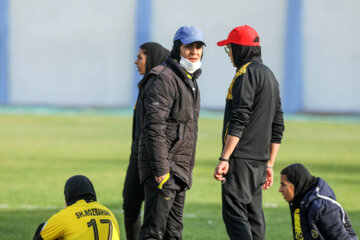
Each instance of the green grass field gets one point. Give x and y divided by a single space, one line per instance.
38 153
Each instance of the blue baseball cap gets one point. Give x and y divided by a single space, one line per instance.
189 34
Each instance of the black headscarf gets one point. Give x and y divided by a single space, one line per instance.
243 54
79 187
175 51
155 54
303 181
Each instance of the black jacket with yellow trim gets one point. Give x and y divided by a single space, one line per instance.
170 106
253 111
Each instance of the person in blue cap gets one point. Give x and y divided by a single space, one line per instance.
170 105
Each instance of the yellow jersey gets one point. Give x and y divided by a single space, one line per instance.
82 221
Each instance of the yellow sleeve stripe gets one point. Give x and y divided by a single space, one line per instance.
226 132
164 181
241 71
189 76
297 225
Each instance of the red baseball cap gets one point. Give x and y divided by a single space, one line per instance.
243 35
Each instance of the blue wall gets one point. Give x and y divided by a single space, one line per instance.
143 34
68 46
4 56
293 62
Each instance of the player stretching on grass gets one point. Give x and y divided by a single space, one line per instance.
83 218
252 132
315 214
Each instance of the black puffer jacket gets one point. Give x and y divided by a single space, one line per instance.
155 55
170 111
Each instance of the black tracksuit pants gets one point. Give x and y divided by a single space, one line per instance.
163 209
242 199
133 196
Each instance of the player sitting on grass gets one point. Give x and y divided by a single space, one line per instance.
314 211
83 218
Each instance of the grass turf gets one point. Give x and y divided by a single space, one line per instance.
39 153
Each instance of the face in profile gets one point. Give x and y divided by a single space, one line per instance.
287 189
228 50
140 61
192 51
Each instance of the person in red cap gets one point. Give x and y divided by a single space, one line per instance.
252 132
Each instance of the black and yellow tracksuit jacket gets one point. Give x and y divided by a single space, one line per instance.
253 111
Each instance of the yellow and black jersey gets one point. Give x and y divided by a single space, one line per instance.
82 221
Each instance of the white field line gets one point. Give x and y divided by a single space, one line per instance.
270 205
6 206
29 207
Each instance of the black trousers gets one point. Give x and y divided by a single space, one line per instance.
133 196
163 209
242 199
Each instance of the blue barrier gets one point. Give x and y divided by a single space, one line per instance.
142 35
4 51
293 77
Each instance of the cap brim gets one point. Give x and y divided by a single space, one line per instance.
223 43
191 40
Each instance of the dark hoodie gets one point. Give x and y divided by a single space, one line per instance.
79 187
244 54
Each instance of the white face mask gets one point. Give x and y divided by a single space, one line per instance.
190 67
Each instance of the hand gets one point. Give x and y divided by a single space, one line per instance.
159 179
221 170
269 179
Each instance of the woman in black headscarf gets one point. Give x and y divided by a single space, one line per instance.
150 55
302 182
314 211
81 216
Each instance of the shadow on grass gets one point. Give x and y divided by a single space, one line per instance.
201 221
21 224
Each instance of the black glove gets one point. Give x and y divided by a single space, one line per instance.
37 235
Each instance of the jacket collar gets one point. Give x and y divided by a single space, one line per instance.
254 59
179 71
321 188
153 72
175 66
